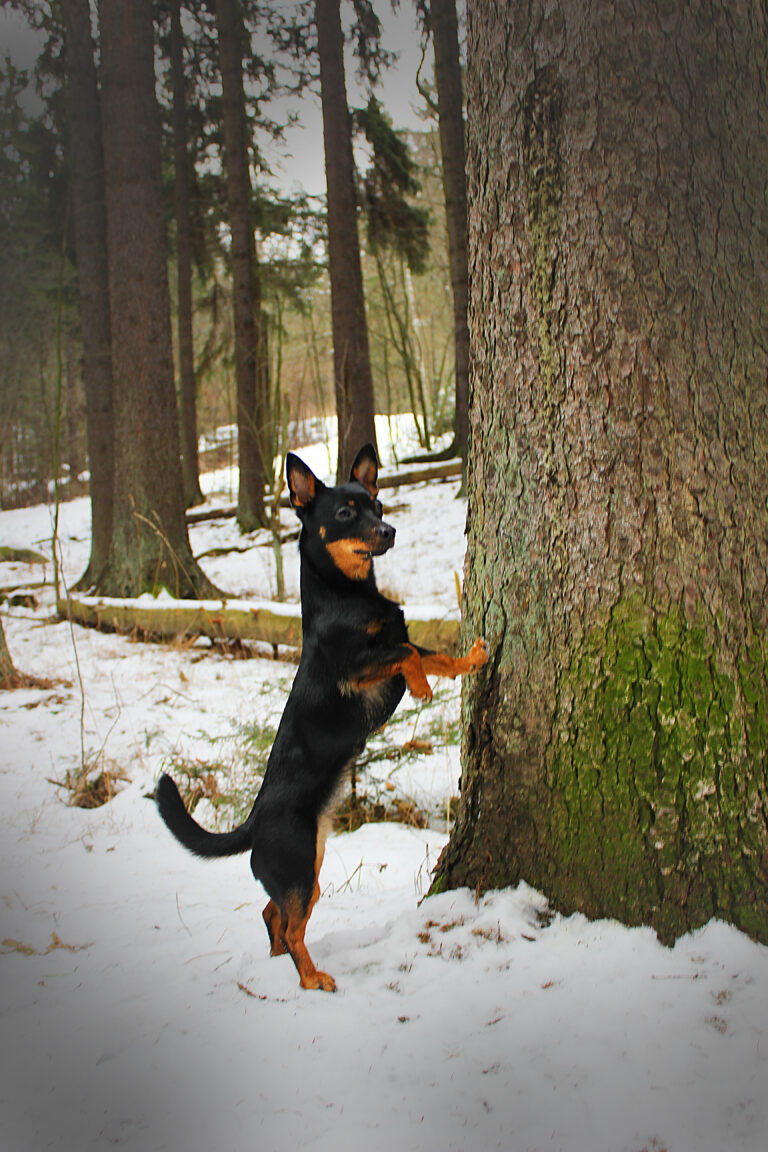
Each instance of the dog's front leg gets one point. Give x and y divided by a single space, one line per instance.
404 660
440 664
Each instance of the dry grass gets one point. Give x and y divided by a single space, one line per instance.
358 808
196 781
89 790
22 680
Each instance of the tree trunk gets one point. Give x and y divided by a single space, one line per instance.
187 392
8 674
73 408
355 408
616 750
445 38
149 547
89 223
250 344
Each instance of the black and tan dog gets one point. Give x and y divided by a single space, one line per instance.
356 662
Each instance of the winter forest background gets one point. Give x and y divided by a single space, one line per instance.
525 252
405 271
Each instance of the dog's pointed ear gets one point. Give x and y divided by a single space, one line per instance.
303 485
366 469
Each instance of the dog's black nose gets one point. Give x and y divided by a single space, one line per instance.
385 534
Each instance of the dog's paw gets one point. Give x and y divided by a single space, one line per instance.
325 983
420 691
478 653
315 979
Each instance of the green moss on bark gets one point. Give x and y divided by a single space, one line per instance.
658 776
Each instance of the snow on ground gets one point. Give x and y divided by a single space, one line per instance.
139 1005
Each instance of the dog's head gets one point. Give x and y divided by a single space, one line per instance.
344 524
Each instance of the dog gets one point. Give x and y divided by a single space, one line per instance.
356 662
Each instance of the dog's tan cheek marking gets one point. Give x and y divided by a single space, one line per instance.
345 556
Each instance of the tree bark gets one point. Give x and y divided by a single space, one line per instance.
450 106
185 338
73 407
355 407
149 547
250 343
616 750
8 674
89 223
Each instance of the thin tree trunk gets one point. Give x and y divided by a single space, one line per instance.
355 408
90 234
149 547
250 346
73 408
187 393
616 750
8 674
445 38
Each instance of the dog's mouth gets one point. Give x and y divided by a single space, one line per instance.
354 557
371 550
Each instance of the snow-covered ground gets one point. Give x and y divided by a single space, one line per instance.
140 1007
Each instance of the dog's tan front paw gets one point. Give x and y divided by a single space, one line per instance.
478 654
320 980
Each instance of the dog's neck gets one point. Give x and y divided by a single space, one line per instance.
319 581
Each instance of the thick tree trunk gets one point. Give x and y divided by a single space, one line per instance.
355 408
616 751
90 233
149 547
187 391
250 344
450 105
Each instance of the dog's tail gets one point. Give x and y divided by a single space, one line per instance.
189 833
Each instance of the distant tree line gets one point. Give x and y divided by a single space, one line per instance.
146 252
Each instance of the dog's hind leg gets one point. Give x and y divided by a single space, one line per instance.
273 921
294 929
291 880
293 936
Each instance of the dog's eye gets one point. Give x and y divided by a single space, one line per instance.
346 512
378 508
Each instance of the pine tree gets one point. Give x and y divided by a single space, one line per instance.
149 547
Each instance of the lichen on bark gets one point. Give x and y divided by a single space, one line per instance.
651 806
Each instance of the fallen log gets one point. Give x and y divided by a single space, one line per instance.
264 622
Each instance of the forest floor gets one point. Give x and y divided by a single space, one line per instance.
138 1002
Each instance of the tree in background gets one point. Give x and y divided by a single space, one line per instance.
251 361
443 25
182 213
398 227
149 547
8 674
355 408
615 752
30 260
89 226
